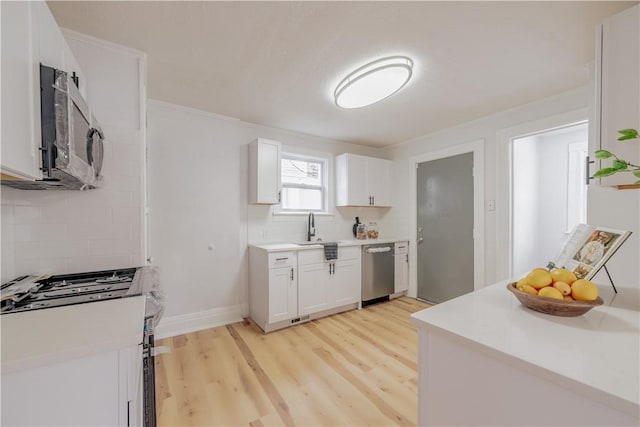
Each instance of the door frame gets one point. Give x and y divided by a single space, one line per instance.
504 180
477 148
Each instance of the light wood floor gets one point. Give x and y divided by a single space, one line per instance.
355 368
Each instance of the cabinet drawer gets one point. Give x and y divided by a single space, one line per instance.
314 256
282 259
401 248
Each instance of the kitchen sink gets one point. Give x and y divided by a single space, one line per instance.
308 243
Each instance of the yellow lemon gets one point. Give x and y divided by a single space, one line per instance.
539 278
550 292
568 298
584 290
529 289
563 287
520 283
563 275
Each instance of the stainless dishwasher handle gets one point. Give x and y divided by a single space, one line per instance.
377 250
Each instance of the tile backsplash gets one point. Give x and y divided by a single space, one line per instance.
70 231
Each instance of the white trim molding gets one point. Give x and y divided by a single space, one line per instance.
185 323
504 179
477 148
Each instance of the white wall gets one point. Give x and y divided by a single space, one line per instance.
71 231
488 129
540 195
200 220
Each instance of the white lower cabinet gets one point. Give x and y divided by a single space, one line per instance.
401 267
345 285
101 389
325 285
293 286
283 294
313 286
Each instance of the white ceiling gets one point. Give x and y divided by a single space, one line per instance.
277 63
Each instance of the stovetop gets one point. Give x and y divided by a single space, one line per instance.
30 293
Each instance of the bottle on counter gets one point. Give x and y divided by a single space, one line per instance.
361 232
355 227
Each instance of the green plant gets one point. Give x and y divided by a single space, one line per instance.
619 165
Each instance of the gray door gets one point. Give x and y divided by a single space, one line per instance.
445 227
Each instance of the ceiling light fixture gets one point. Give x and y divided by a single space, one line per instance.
373 82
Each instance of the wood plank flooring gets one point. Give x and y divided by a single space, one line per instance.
355 368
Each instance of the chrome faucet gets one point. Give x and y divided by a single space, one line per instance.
311 227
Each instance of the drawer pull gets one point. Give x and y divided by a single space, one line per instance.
282 259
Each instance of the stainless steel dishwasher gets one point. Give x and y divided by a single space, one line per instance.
377 272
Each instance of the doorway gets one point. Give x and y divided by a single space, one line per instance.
549 193
447 254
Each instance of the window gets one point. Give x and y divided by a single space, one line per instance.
304 184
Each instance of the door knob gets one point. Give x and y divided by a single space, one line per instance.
420 240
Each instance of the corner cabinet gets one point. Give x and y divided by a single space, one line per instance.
617 89
362 181
264 172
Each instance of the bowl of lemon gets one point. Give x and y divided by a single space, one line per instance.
558 292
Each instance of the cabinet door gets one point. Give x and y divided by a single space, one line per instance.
283 294
351 180
313 290
379 181
401 272
345 284
20 99
51 42
264 172
618 106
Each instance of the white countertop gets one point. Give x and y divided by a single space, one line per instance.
596 354
277 247
42 337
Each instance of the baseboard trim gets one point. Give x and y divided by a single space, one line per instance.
185 323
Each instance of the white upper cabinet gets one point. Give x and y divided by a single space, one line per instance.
617 89
20 99
30 36
362 181
264 172
53 48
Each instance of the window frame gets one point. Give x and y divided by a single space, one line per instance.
324 187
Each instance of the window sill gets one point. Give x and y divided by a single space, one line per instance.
294 214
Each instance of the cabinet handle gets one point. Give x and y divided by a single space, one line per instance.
588 162
406 258
373 200
279 196
291 273
334 268
282 259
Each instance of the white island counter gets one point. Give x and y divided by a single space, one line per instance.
486 360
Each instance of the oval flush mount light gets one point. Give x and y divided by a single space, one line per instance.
373 82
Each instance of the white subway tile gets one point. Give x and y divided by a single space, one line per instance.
37 250
41 266
26 214
40 232
85 264
108 247
83 231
